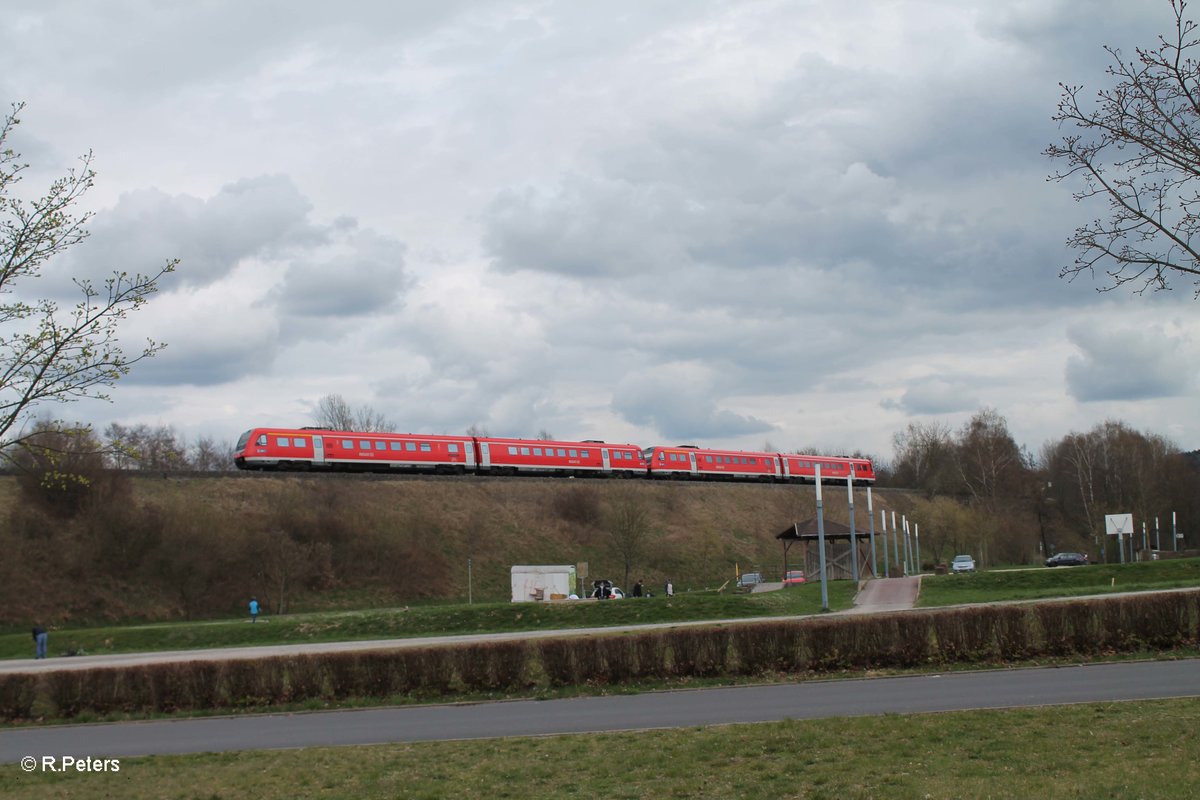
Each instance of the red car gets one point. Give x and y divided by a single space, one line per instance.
794 577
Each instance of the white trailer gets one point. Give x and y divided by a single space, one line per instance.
532 583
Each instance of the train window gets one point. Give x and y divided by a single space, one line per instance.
708 459
410 446
396 445
562 452
363 444
583 453
261 441
524 451
282 441
512 451
381 445
755 462
537 451
299 442
347 444
452 447
426 447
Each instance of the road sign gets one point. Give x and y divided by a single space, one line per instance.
1118 524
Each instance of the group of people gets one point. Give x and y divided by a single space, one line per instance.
639 589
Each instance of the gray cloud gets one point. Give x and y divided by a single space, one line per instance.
935 395
261 217
680 401
1121 363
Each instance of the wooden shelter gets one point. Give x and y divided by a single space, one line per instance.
837 550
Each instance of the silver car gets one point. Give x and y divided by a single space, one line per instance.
962 564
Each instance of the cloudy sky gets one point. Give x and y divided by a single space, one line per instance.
726 223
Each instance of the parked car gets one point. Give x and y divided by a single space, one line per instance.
750 579
962 563
1067 560
794 577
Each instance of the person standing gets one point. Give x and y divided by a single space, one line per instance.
669 588
254 609
41 638
637 589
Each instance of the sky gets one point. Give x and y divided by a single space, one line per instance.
802 223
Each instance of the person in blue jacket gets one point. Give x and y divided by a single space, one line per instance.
254 609
40 637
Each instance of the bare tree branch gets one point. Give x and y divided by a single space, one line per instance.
1138 149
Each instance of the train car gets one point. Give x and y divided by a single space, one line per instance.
317 448
706 464
803 468
498 456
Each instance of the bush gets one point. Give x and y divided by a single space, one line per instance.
18 691
699 652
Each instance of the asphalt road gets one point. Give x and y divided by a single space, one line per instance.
809 700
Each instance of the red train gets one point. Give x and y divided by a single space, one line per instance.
321 449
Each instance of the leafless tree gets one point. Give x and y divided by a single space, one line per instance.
478 430
924 457
335 413
144 447
629 528
1137 147
988 459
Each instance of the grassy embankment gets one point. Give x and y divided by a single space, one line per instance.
1126 750
431 620
452 619
1042 582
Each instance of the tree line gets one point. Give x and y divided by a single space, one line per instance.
1058 496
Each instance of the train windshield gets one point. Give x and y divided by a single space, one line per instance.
243 440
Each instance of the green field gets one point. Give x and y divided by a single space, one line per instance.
1042 582
429 620
1123 750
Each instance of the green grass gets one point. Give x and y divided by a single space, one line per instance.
1123 750
429 620
1042 582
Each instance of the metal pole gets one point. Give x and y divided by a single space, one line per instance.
853 537
883 522
871 518
904 534
1174 535
1145 541
917 538
470 587
1121 544
1157 536
821 543
895 541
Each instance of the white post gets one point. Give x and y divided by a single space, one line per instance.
821 543
871 517
853 536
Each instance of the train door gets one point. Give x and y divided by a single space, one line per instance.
485 457
692 462
318 450
469 453
606 463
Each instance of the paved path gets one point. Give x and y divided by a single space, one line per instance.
886 594
806 700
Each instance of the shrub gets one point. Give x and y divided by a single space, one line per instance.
699 652
250 683
766 647
18 691
494 665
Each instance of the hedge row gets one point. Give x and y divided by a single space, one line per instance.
977 634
